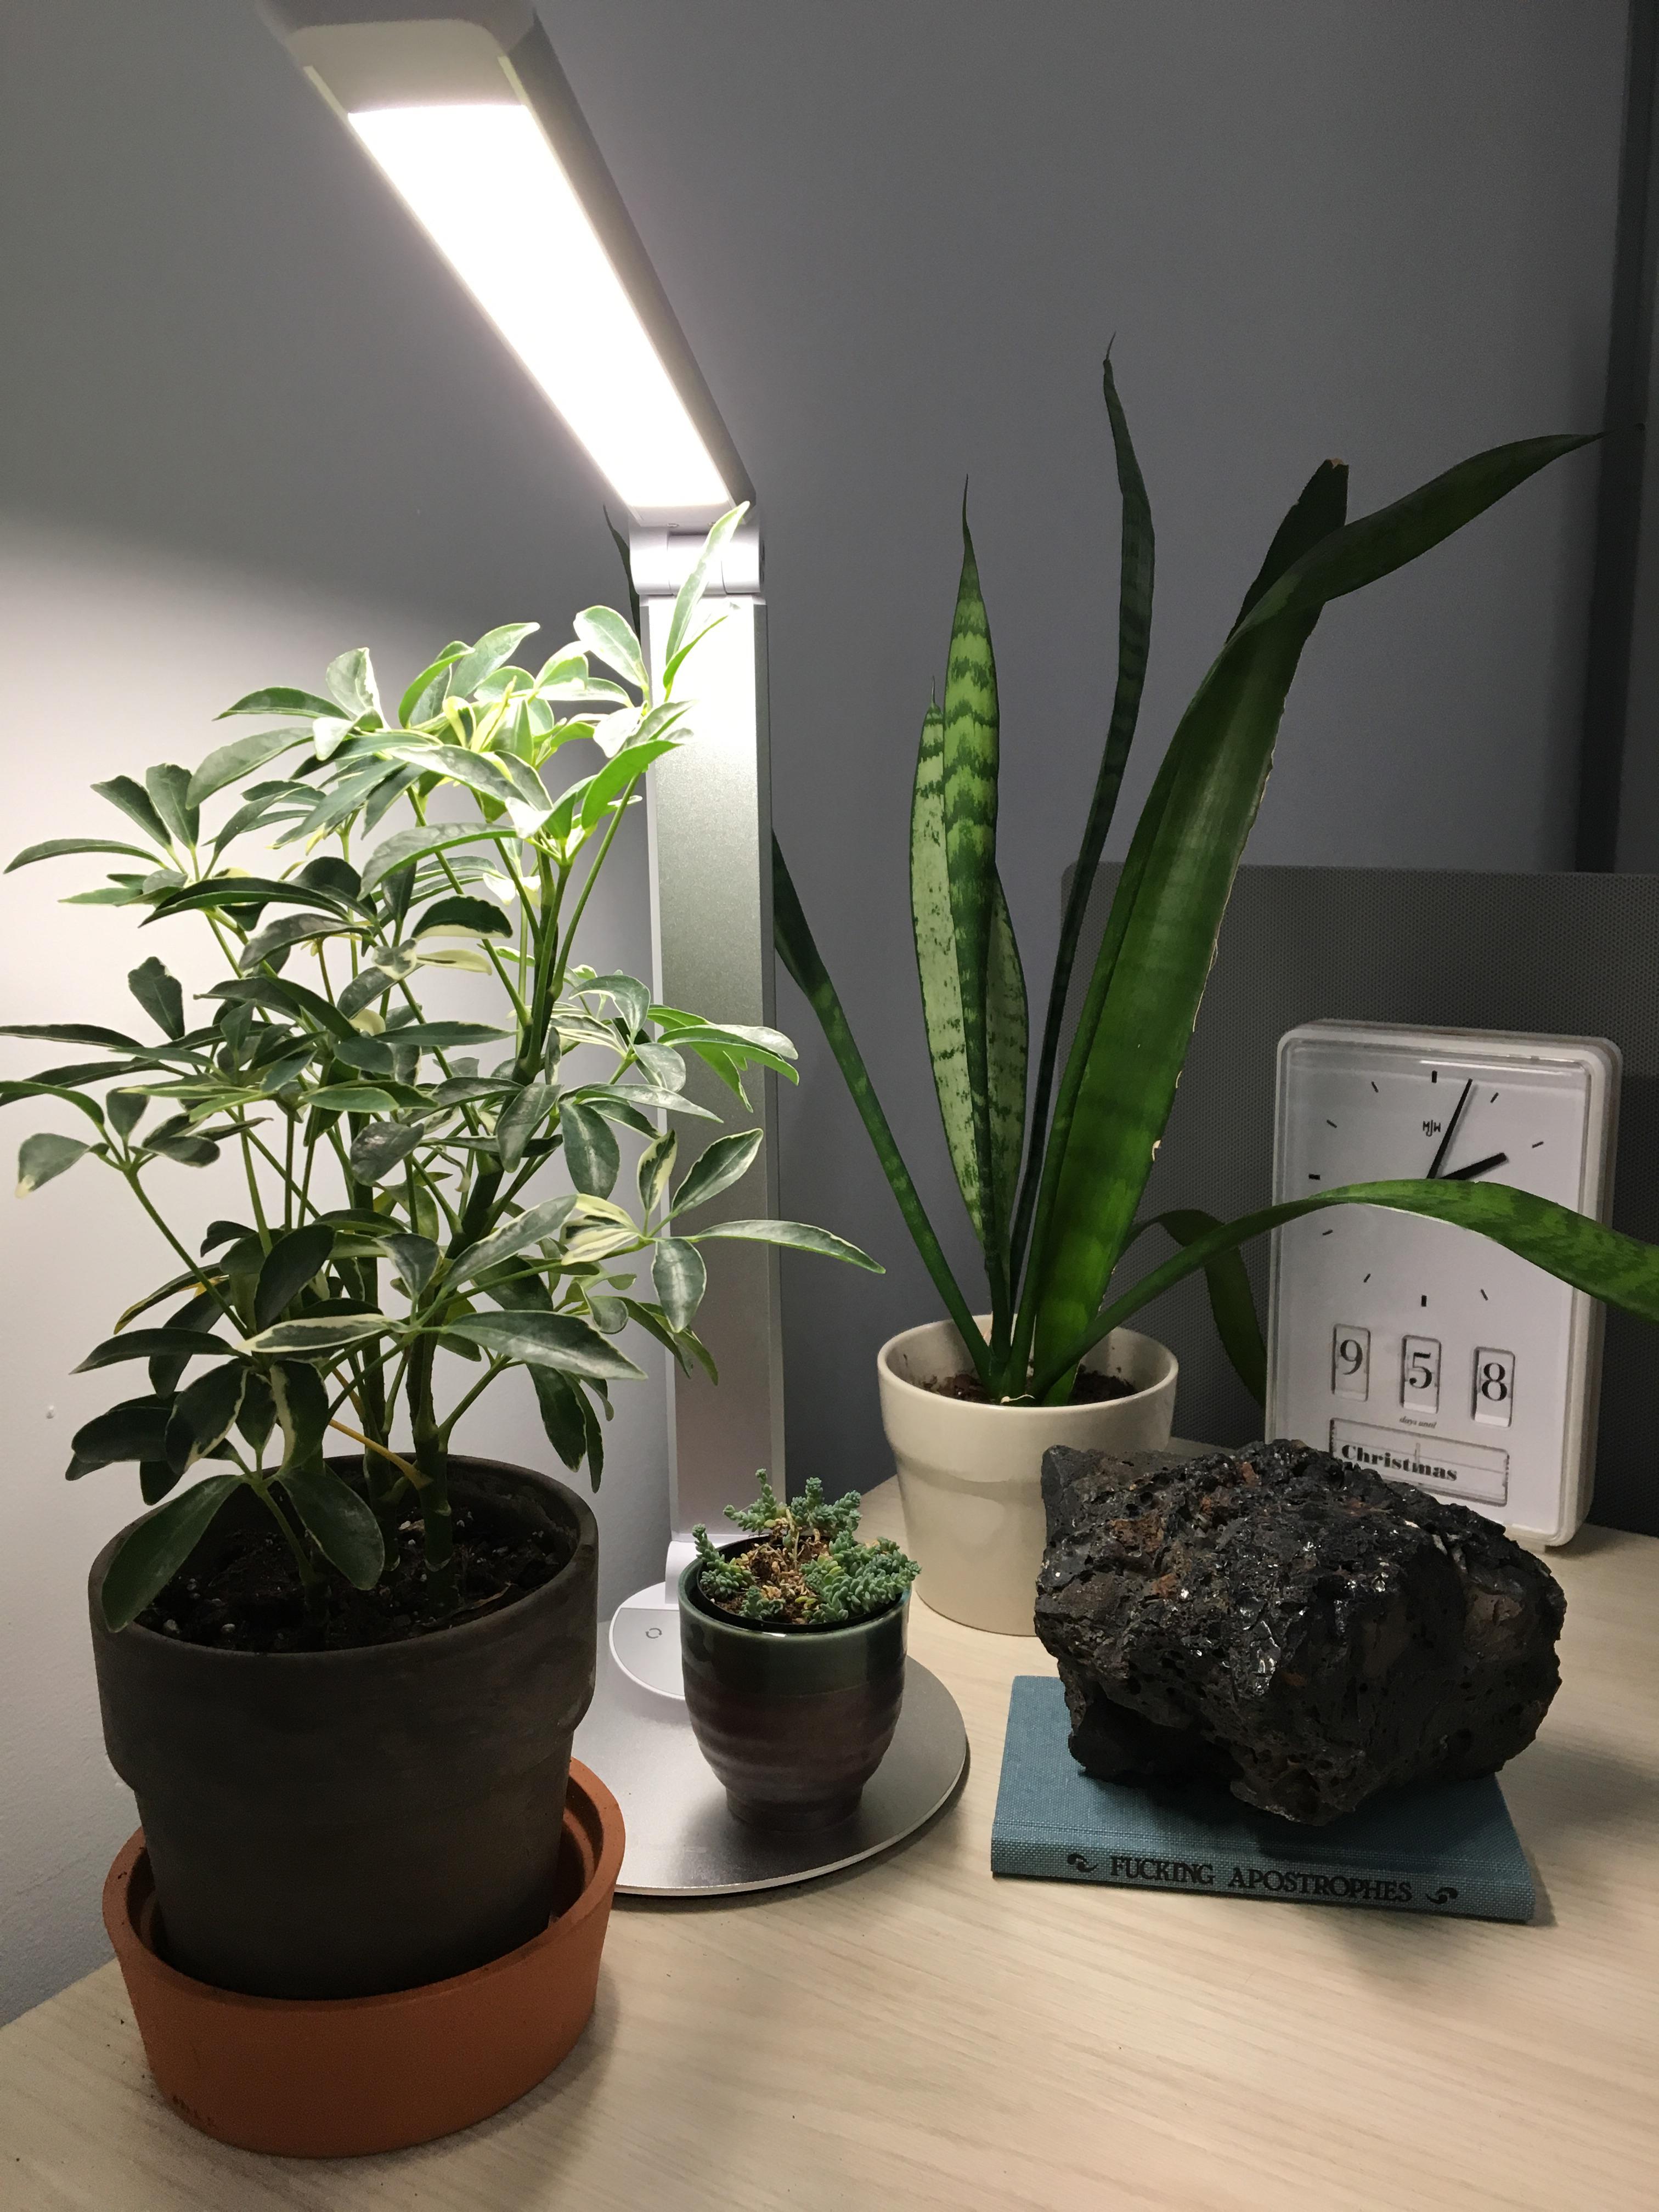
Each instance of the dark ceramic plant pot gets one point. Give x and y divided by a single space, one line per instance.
341 1824
794 1722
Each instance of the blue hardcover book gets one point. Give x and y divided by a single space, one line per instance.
1452 1850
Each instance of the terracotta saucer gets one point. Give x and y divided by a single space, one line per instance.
335 2078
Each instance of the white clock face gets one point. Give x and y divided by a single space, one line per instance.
1420 1350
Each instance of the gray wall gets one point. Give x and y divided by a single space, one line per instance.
245 418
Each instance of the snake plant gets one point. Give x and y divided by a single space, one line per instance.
1052 1173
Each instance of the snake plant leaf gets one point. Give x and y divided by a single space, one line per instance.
1232 1303
798 1236
160 1545
1223 751
969 792
546 1340
1006 1041
341 1525
1134 638
1139 1046
1317 511
797 948
1377 544
1605 1263
933 929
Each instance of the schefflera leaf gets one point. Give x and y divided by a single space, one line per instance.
41 1157
158 1546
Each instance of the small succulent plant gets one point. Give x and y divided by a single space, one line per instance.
807 1568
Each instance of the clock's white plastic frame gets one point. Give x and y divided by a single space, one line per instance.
1601 1062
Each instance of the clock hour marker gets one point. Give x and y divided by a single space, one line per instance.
1329 1124
1423 1300
1367 1278
1378 1092
1492 1101
1484 1295
1537 1143
1313 1178
1327 1232
1434 1075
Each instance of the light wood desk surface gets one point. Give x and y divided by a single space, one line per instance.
916 2035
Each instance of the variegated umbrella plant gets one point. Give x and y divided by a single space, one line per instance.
385 1154
1054 1185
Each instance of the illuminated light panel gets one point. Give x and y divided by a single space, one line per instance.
488 188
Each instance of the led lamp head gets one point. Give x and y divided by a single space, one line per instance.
463 107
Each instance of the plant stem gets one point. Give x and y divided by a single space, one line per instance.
309 1578
496 1367
130 1176
411 1474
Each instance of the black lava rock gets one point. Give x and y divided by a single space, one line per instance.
1289 1628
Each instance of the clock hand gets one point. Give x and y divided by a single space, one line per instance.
1476 1168
1451 1130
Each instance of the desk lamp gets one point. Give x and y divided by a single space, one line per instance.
463 105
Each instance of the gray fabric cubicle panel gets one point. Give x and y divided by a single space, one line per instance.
1572 954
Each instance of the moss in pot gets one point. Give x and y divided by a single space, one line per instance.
793 1649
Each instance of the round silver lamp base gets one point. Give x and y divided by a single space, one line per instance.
683 1842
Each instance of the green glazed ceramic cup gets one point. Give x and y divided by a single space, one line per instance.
794 1722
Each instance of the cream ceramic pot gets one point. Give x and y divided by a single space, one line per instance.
970 1476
